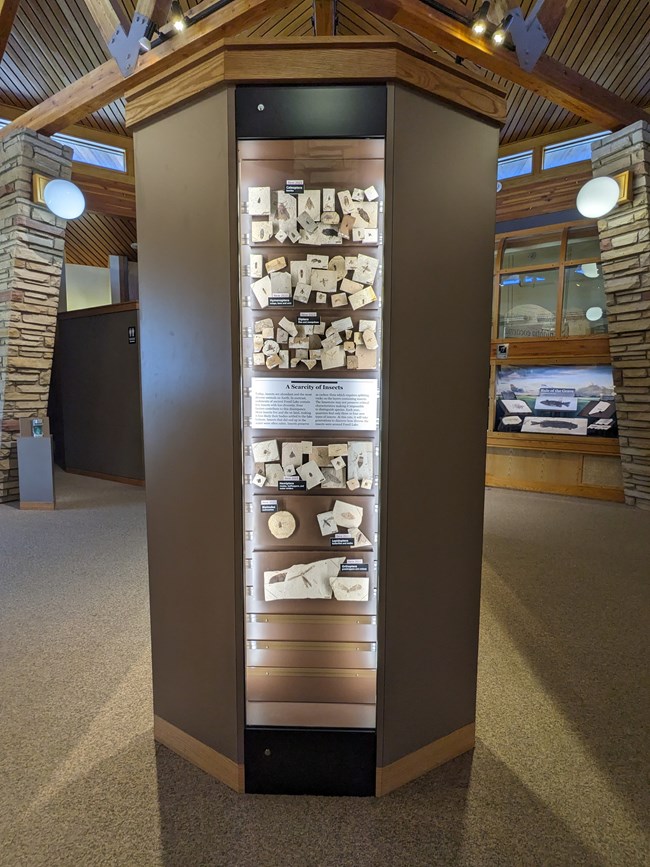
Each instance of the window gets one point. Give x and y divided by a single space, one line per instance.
514 166
527 304
90 152
574 151
531 252
93 153
551 286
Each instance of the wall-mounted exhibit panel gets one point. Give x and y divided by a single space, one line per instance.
556 399
311 290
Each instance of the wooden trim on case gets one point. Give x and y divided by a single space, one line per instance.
36 506
590 492
204 757
427 758
107 477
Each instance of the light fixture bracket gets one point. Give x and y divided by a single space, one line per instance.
124 47
529 37
624 181
39 182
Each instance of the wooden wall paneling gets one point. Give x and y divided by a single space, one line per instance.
540 195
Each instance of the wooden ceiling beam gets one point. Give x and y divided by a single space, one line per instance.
157 11
106 83
8 9
324 17
105 17
551 14
549 79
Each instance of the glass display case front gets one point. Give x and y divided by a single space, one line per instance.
574 400
311 271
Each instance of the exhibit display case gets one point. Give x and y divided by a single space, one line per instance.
311 265
314 623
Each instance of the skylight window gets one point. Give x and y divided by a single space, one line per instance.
515 165
574 151
91 153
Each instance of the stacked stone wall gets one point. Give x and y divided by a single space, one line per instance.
31 261
625 252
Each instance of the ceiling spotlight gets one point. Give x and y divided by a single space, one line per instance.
480 22
500 34
177 18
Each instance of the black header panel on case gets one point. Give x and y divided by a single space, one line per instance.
296 111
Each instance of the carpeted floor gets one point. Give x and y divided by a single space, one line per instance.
558 777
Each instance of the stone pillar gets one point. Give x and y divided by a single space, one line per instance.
625 251
31 261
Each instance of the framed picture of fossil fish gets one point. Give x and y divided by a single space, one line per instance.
556 401
544 425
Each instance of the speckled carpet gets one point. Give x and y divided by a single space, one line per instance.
558 777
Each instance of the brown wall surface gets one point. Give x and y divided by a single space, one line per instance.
97 374
440 239
186 202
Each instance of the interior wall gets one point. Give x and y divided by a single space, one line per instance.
86 286
95 398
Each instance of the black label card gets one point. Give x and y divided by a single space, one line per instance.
354 567
341 541
309 318
280 301
293 187
291 485
268 505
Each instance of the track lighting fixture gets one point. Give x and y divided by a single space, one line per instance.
500 34
176 17
480 22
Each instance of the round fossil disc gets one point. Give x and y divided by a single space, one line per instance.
282 524
337 263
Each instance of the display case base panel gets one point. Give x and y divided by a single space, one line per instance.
310 714
298 761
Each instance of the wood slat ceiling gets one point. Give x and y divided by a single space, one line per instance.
54 42
92 238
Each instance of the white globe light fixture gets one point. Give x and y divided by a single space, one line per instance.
64 199
598 197
593 314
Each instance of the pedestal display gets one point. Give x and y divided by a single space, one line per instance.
316 631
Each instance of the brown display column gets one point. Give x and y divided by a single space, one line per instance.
31 260
439 232
625 252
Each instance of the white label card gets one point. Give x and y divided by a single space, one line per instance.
323 404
